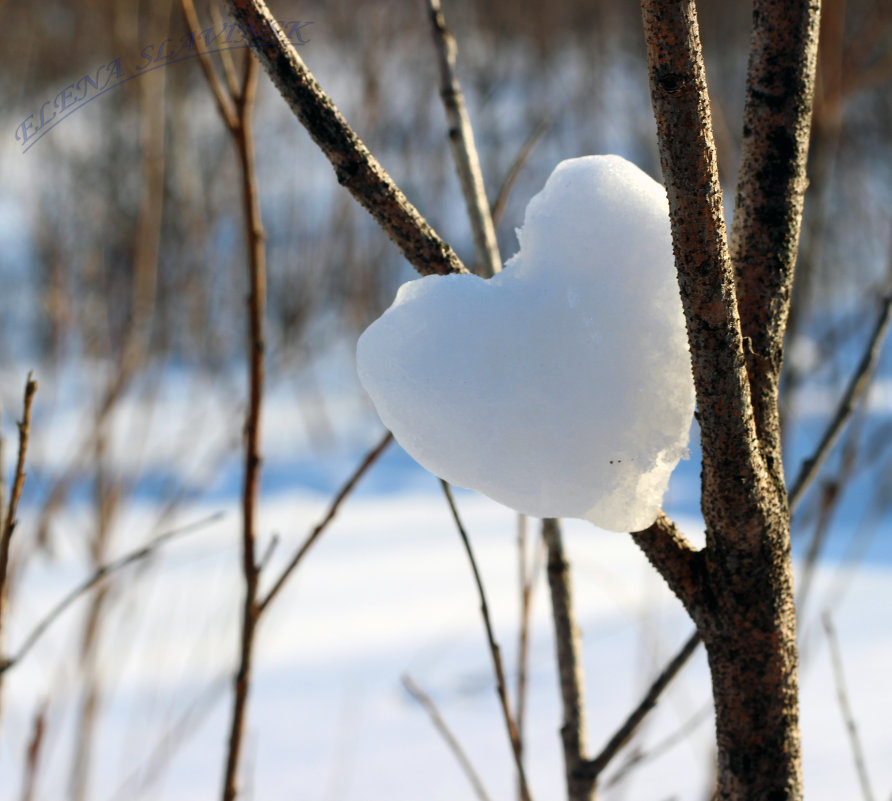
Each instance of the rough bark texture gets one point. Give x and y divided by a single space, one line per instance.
356 168
739 590
770 192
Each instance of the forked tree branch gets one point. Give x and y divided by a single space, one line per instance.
356 168
745 612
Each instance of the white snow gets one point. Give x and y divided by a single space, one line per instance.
562 386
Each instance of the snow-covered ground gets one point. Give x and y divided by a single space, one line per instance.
387 591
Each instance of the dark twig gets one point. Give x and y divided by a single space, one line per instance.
846 708
243 135
95 578
501 685
501 201
625 732
857 386
224 102
448 737
580 780
34 751
236 110
669 742
464 152
356 168
370 458
18 482
8 523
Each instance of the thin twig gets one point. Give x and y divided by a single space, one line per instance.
464 152
224 102
18 482
501 685
525 578
625 732
580 780
169 744
845 707
449 738
225 56
243 135
669 742
370 458
94 578
501 201
857 386
356 168
33 752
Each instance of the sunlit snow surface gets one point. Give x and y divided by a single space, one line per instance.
562 386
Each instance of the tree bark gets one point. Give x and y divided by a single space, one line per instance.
739 589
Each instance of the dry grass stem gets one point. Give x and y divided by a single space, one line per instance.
464 151
448 737
846 708
495 653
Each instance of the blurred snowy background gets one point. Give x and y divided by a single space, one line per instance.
130 689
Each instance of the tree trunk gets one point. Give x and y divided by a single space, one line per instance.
739 588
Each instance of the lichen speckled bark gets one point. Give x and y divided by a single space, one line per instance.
733 473
356 168
770 192
739 589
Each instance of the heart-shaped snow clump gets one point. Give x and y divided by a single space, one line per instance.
562 386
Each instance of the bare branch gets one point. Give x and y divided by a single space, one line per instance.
846 708
501 201
95 578
733 486
464 152
501 685
356 168
449 738
771 187
370 458
669 742
34 751
18 482
243 136
626 731
674 558
580 779
854 391
224 102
